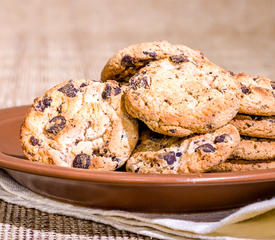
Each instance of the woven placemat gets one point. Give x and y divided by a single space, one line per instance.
17 222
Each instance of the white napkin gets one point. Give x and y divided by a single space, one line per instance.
255 221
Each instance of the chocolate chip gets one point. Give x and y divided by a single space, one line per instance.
34 141
114 158
136 171
179 58
254 79
107 92
127 61
231 73
56 124
172 130
82 160
221 138
178 154
83 85
169 157
206 148
43 104
272 120
59 108
105 150
117 90
152 55
209 126
139 81
69 90
245 90
272 84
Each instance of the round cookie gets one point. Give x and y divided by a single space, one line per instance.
171 155
255 149
243 165
255 126
179 96
81 124
258 95
126 62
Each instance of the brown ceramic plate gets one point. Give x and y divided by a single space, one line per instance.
128 191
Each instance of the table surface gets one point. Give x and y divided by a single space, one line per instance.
45 42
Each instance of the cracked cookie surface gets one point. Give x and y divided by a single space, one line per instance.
171 155
258 95
126 62
255 126
255 149
81 124
181 95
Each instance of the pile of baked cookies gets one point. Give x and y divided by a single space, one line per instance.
159 108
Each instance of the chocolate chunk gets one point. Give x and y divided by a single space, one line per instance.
82 160
272 84
221 138
114 158
231 73
139 81
127 61
117 90
107 92
43 104
178 154
169 157
83 85
245 90
136 171
34 141
172 130
179 58
56 124
69 90
206 148
59 108
152 55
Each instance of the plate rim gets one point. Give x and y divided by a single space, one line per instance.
17 164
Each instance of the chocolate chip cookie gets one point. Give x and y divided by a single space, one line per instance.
126 62
80 124
258 95
243 165
255 126
171 155
255 149
179 96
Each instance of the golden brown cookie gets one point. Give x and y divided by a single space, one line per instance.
171 155
126 62
255 149
258 95
243 165
179 96
81 124
255 126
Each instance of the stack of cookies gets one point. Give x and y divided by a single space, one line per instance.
190 113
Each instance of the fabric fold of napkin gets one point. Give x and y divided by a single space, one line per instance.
255 221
